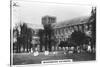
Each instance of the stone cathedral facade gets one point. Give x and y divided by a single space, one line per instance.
63 30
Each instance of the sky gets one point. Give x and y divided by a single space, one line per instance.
32 12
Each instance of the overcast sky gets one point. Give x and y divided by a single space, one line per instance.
32 12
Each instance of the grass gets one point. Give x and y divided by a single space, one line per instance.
29 58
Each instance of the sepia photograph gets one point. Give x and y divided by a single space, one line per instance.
43 33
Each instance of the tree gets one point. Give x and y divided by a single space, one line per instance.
29 38
41 35
26 36
23 37
49 34
63 44
16 35
78 38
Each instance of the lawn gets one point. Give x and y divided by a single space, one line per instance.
29 58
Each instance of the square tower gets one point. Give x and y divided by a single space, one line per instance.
48 20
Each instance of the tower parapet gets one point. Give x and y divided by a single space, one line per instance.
48 20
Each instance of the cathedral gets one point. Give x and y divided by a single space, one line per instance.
62 31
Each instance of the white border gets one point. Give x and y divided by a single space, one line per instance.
5 34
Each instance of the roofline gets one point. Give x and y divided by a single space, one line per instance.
70 25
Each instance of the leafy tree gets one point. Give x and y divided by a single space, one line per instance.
41 35
79 38
26 36
48 37
23 37
29 38
63 44
15 36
